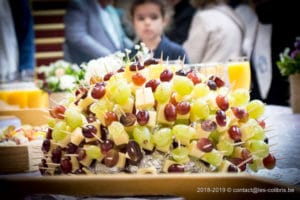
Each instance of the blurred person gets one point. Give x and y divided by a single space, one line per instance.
283 18
17 47
149 21
181 20
216 33
8 44
256 47
23 23
92 30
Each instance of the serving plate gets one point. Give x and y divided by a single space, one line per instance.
34 116
187 186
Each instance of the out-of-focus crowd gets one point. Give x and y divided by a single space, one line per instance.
196 31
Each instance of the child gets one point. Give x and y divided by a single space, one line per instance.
148 18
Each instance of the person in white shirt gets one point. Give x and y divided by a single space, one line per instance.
216 33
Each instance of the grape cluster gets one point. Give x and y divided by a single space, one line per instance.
156 119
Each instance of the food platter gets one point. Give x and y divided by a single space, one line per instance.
187 186
25 157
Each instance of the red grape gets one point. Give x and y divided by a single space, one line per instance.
208 125
222 102
153 83
58 112
81 154
212 85
106 145
89 131
107 76
166 75
109 117
237 162
49 133
82 91
56 155
235 133
150 61
122 69
46 145
232 168
221 118
193 76
111 158
134 152
128 119
136 67
269 161
205 145
183 107
240 113
142 117
181 72
66 165
98 91
91 118
219 82
246 155
175 168
71 148
170 112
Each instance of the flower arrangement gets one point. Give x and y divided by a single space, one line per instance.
59 76
289 62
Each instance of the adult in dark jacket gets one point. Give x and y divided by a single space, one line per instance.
181 20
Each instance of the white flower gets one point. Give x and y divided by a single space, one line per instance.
59 72
52 80
67 82
98 68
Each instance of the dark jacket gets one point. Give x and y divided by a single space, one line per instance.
168 49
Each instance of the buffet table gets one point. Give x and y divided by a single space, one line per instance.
281 182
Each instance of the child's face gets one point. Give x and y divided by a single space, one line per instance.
148 21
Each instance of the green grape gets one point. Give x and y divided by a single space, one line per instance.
255 108
226 147
214 158
122 94
51 122
99 107
118 90
182 133
239 97
59 131
142 136
258 148
117 133
257 164
93 152
163 92
183 85
73 118
180 154
199 109
162 137
258 133
251 129
200 90
214 136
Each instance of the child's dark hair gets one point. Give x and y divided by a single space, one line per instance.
160 3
